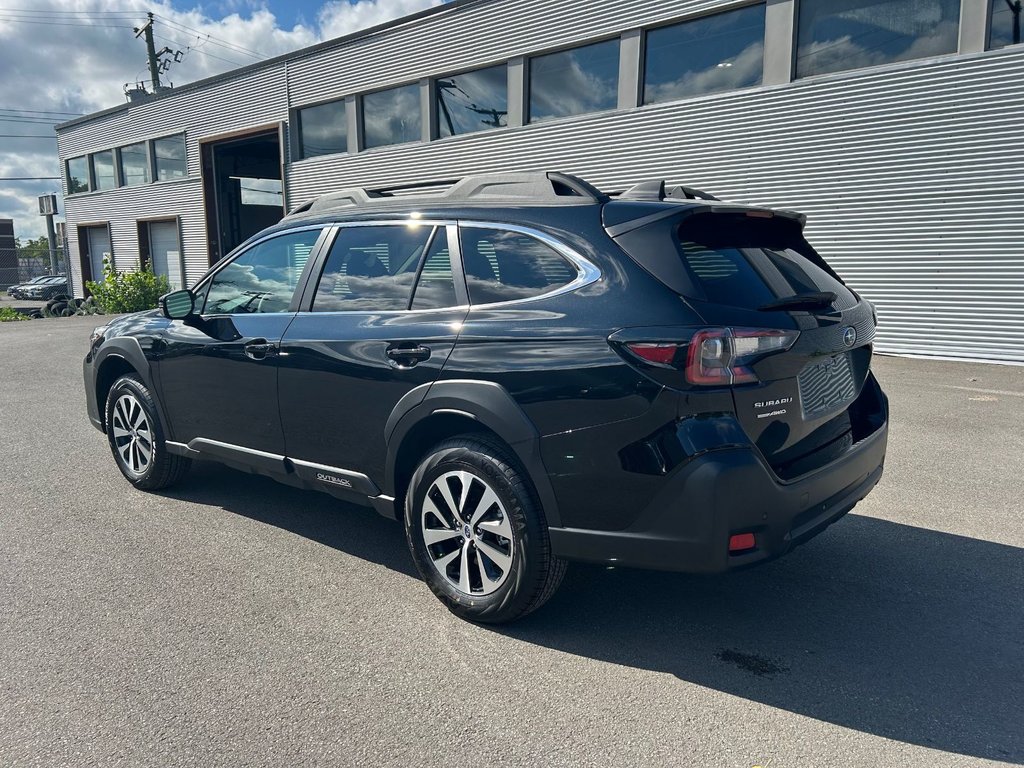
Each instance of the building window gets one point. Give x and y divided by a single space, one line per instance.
1004 23
323 129
837 35
78 175
573 82
134 164
169 158
714 53
472 101
103 169
392 116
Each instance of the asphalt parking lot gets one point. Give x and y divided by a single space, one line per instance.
233 621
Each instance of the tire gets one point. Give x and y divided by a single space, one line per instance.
133 429
504 569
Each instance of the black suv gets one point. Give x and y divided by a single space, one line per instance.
526 371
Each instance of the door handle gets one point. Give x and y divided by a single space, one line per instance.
259 349
407 357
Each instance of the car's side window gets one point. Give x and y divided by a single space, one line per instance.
502 265
372 268
436 287
263 278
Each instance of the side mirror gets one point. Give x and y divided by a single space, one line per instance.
178 305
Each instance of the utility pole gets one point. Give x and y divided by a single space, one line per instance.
47 208
1015 8
154 64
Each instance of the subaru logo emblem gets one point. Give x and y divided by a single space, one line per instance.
849 336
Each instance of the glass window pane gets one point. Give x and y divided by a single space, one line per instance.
134 164
170 158
837 35
262 278
323 130
715 53
436 286
472 101
103 170
505 266
78 175
371 269
391 117
573 82
1005 23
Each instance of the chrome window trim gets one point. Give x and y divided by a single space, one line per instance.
587 273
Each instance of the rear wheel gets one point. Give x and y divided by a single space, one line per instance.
136 437
477 532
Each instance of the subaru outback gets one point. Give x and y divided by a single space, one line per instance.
525 371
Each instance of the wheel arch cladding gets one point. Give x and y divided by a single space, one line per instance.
121 357
449 408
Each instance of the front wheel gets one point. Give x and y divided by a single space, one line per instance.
136 437
477 532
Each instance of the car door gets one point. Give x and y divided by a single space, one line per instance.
380 320
218 372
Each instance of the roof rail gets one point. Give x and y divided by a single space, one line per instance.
655 191
528 187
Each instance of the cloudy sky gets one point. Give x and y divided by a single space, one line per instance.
59 58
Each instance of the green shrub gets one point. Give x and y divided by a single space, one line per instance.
8 315
128 291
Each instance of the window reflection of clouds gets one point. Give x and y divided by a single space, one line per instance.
706 55
323 129
391 117
472 101
574 82
838 35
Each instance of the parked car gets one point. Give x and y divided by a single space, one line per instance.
17 291
525 371
48 289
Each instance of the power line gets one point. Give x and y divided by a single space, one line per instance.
199 50
26 136
39 111
16 20
222 41
29 178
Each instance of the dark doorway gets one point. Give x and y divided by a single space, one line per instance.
243 189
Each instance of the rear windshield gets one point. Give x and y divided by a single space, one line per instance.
733 259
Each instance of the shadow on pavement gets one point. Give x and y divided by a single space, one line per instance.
901 632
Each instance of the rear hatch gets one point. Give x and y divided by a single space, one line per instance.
800 339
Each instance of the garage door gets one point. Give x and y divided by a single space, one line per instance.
99 247
165 251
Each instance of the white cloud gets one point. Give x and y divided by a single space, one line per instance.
83 54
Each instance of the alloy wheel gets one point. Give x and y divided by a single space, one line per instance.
133 435
467 533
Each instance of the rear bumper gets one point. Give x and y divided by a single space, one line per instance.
688 524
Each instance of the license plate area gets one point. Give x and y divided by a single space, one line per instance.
826 386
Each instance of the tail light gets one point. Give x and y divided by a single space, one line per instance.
715 356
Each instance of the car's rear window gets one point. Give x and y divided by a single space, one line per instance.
732 259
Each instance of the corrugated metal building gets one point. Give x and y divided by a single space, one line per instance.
896 125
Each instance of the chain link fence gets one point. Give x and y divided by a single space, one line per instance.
19 265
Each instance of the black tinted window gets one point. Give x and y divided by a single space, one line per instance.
371 269
436 286
714 53
169 155
391 117
837 35
584 79
262 278
323 129
1004 24
78 175
472 101
505 266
